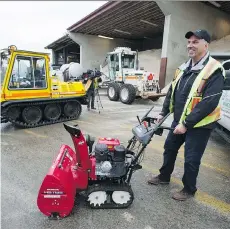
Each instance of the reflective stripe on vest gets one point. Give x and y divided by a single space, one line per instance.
96 84
195 94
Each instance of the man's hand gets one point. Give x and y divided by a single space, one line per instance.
180 129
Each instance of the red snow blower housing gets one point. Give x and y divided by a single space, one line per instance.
103 172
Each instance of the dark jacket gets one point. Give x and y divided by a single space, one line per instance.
94 76
212 92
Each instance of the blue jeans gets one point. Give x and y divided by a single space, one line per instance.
195 140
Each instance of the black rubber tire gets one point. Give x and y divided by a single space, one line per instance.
13 113
32 114
131 93
116 88
52 112
72 109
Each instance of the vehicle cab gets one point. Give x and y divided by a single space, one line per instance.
24 74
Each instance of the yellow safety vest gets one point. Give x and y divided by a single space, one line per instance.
96 84
195 94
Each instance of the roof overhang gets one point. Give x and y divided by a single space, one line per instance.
123 19
221 5
60 43
130 19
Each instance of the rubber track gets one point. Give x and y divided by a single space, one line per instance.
42 122
111 188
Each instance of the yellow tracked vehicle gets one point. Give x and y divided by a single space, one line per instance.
30 96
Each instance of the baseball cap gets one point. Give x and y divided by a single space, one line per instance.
200 33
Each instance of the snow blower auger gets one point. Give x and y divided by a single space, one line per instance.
102 172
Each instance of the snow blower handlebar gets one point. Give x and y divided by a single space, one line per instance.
145 116
144 134
158 126
153 120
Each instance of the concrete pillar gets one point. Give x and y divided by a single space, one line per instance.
163 65
180 18
93 49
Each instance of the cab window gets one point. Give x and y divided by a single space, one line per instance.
127 61
28 73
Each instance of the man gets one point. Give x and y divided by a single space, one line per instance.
94 77
193 97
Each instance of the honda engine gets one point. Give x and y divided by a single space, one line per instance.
111 160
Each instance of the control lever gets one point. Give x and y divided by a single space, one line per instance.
138 119
166 128
152 120
149 120
143 122
145 116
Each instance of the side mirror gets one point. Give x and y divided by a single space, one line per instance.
227 80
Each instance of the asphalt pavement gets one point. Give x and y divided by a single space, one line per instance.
27 154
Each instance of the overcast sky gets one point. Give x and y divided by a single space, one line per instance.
34 25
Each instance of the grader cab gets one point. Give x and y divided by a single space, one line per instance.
30 96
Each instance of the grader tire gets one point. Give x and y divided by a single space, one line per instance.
127 94
113 91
